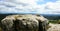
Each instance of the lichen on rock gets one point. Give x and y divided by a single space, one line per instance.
27 22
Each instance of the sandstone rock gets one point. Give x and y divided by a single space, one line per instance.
24 23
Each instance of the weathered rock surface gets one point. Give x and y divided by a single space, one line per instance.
24 23
54 27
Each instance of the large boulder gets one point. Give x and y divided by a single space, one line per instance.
24 23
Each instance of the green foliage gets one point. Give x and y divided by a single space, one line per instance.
54 21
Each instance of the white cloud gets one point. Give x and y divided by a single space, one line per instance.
29 6
53 8
17 6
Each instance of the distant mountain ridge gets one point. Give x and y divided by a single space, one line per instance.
52 16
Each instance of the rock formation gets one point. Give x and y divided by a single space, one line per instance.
24 23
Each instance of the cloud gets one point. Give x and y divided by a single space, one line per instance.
29 6
53 8
17 6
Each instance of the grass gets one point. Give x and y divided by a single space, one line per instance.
54 21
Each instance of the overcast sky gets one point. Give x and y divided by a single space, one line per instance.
30 6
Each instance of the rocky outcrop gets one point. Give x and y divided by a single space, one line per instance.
54 27
24 23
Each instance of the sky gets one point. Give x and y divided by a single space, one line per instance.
30 6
